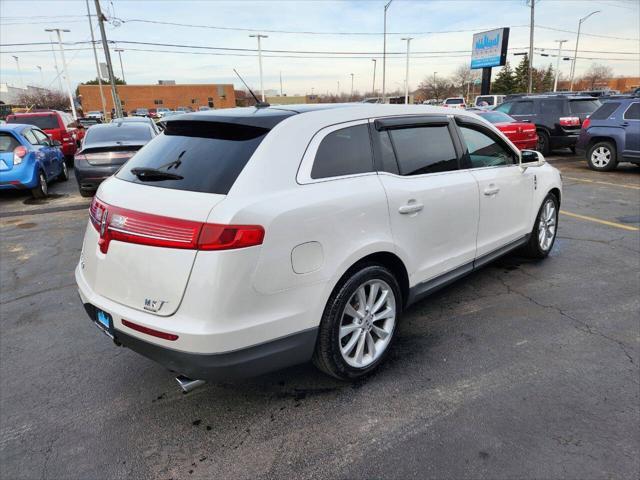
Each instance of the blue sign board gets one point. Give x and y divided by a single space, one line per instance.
490 48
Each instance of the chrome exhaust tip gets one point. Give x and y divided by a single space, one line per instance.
188 384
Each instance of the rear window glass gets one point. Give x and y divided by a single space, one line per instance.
454 101
584 106
489 99
605 111
208 156
344 152
8 142
121 133
45 122
496 117
424 150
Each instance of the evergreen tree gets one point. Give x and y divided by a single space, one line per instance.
504 83
547 79
521 76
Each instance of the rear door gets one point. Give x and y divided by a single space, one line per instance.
505 191
523 111
433 206
47 150
631 124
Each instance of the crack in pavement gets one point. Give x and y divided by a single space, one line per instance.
46 290
586 328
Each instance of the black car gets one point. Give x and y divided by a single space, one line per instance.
557 118
104 149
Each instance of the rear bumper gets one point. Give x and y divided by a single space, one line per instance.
246 362
526 144
19 177
90 177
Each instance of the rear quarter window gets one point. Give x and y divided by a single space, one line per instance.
633 112
605 111
551 107
208 156
344 152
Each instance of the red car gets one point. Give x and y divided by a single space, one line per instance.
58 125
522 135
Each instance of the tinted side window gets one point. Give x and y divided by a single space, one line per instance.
31 138
424 150
605 111
384 150
633 112
551 107
522 108
584 106
483 150
344 152
41 137
504 108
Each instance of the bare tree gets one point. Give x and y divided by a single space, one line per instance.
597 74
462 77
437 88
41 98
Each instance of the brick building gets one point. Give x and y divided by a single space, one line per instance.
160 96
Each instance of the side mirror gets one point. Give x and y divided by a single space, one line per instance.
531 158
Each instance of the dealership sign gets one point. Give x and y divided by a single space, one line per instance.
490 48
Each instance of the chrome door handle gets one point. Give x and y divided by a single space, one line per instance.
491 191
410 208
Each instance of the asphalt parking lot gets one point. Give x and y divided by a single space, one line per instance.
522 370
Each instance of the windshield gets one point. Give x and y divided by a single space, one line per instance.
118 133
44 122
496 117
208 156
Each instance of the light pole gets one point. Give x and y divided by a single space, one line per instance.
406 77
95 58
435 86
575 53
374 77
19 71
65 72
259 36
107 55
55 63
384 53
120 50
351 96
338 94
41 76
530 80
555 82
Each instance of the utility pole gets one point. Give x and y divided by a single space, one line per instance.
575 53
19 71
281 83
406 76
373 88
120 50
65 71
351 97
95 57
105 46
55 63
435 86
41 76
555 82
259 36
384 54
531 27
338 94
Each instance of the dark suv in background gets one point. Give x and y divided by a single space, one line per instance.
557 117
612 134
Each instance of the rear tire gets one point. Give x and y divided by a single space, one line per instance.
87 193
64 174
543 145
359 323
545 229
41 189
602 157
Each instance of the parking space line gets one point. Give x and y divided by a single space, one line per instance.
602 222
585 180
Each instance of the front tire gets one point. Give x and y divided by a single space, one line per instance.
41 189
545 229
359 322
602 157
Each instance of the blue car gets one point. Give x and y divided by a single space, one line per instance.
29 159
612 134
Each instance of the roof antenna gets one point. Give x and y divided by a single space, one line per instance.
259 104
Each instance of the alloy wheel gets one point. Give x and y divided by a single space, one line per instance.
547 225
367 323
601 157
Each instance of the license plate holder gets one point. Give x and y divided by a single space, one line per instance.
104 322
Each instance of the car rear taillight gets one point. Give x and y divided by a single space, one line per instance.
120 224
586 123
569 121
107 158
18 154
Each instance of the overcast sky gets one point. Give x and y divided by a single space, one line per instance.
24 21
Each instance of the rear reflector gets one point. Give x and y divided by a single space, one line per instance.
149 331
570 121
120 224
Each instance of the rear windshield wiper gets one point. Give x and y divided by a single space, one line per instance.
151 174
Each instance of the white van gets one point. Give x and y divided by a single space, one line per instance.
491 100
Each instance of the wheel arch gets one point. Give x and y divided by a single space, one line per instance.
602 138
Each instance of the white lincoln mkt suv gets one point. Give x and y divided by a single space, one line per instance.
246 240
